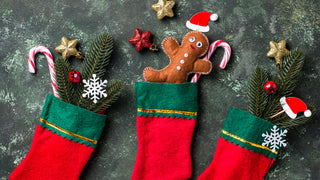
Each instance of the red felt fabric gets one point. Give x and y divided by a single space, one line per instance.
163 148
232 162
52 157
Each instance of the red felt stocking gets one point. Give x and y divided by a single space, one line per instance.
165 122
63 142
246 149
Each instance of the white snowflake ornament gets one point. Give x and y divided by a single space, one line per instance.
94 88
275 139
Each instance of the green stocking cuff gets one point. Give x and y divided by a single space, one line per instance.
254 133
72 122
169 100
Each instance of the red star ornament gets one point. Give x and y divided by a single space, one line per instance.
141 40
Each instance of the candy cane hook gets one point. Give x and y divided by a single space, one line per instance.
212 48
48 55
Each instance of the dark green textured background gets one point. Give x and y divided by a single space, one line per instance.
248 25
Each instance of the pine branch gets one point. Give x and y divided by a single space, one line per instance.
78 89
113 90
264 105
257 97
288 123
289 72
98 56
288 76
95 62
64 86
273 106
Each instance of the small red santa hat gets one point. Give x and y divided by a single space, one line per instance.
200 21
293 106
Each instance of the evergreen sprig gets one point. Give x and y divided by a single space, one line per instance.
284 121
287 78
64 86
95 62
113 91
257 98
289 72
98 56
265 105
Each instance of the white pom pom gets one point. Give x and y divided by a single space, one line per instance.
214 17
307 113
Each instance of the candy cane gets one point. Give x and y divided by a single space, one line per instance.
48 55
224 61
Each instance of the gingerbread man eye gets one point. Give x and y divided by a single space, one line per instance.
199 44
192 39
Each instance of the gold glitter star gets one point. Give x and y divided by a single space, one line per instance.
163 8
278 51
68 48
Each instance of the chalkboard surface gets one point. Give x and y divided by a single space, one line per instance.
247 25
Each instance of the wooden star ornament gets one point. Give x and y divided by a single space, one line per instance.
141 40
278 51
163 8
68 48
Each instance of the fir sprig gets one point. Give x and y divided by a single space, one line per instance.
98 56
265 105
289 72
95 62
113 90
257 98
273 106
64 86
284 121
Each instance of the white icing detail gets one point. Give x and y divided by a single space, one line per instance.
199 44
186 55
192 39
178 68
182 61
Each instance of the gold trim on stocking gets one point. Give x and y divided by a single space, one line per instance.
67 132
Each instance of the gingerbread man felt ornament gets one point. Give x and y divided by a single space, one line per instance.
184 58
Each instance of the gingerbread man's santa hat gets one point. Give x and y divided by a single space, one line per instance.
199 22
293 106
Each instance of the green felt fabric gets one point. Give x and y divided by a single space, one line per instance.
73 119
248 127
164 96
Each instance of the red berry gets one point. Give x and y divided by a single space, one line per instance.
75 76
270 87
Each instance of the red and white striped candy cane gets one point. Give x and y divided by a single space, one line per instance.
48 55
212 48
